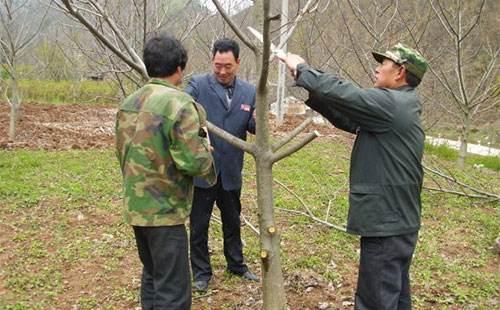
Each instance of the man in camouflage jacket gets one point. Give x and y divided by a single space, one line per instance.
162 146
386 166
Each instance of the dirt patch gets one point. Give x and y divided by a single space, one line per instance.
59 127
63 127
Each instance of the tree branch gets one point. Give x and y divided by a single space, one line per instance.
245 146
314 218
454 180
308 212
280 143
139 67
235 28
294 148
297 19
447 191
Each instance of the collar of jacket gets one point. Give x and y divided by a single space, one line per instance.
405 88
214 80
162 82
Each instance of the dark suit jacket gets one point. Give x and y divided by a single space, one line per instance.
237 120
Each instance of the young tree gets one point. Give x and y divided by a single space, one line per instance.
467 70
120 29
19 28
265 155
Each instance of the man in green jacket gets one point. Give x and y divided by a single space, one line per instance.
161 146
386 171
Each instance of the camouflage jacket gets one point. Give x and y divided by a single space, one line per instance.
161 147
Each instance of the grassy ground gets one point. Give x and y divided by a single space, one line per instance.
63 244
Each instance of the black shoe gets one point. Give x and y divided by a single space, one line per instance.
200 286
247 275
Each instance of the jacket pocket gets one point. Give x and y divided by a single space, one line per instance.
369 208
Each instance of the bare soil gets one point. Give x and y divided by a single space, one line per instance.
59 127
62 127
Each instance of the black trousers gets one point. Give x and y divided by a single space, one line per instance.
383 280
165 282
229 205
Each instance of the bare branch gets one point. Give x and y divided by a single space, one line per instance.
360 16
486 74
452 179
280 143
294 148
443 19
132 62
295 22
447 191
252 227
475 23
235 28
245 146
351 38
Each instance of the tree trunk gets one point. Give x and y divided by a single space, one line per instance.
13 120
274 296
462 153
15 103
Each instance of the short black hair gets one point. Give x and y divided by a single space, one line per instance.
226 45
411 79
163 54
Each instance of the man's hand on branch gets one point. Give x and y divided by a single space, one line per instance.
291 61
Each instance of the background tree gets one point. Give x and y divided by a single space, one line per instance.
120 29
467 68
19 29
460 40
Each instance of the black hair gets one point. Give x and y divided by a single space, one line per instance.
411 79
226 45
163 54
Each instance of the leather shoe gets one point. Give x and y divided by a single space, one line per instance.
200 286
248 275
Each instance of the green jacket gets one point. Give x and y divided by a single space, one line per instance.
386 171
160 148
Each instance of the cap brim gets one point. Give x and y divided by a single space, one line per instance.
379 57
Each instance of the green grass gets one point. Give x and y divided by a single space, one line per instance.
62 92
64 244
449 154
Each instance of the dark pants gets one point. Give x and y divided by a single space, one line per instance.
229 205
383 280
165 282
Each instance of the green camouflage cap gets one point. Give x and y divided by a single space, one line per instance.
404 55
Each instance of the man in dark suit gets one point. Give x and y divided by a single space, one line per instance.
229 103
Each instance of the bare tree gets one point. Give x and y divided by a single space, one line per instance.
471 81
120 30
265 155
19 28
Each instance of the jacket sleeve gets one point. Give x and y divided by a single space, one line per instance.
192 88
333 116
189 150
372 109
